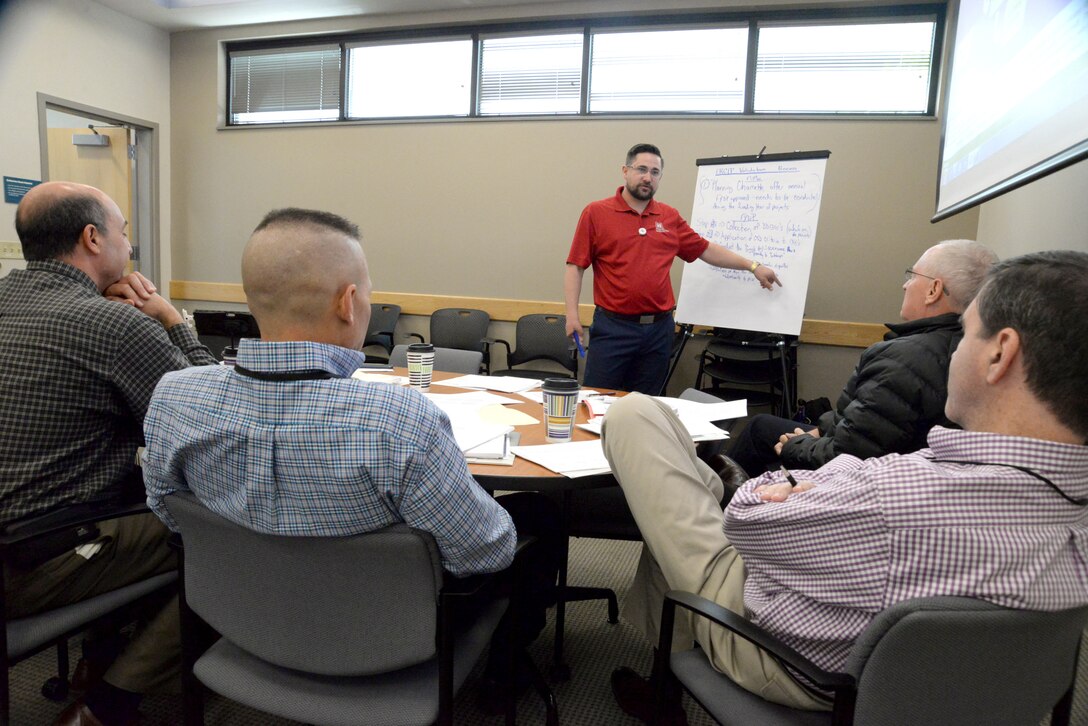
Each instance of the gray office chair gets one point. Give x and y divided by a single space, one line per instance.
23 637
539 337
449 360
380 331
460 328
935 661
327 630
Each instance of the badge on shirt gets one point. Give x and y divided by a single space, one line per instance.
661 227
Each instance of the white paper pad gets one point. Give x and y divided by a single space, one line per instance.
706 411
506 384
698 429
574 459
362 374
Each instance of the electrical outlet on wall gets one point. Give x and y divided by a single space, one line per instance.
10 250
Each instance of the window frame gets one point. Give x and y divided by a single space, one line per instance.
935 12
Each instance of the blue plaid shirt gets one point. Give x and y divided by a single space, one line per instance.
330 457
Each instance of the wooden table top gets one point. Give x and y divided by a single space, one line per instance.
525 474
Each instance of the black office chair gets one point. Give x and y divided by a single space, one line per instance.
449 360
23 637
539 337
937 661
380 331
220 330
757 366
461 328
329 630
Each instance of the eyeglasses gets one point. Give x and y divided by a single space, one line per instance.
911 273
644 170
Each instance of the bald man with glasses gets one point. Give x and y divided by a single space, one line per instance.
630 240
897 392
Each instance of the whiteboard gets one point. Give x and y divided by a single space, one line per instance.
764 208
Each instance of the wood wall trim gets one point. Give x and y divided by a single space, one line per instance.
813 332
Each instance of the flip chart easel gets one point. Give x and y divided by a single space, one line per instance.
764 207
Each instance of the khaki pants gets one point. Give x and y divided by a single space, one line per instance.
675 497
133 548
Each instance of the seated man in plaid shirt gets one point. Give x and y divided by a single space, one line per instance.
82 345
287 442
995 511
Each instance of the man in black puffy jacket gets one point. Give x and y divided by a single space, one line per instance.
897 392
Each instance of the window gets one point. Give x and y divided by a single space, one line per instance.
870 68
287 85
876 60
691 71
410 79
539 74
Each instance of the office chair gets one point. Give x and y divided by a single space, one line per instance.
539 337
449 360
328 630
757 366
936 661
380 331
220 330
460 328
28 635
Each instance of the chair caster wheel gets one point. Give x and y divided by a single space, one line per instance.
55 689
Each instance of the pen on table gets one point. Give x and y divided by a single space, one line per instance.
578 342
789 476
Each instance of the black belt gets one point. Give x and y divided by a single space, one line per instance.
646 319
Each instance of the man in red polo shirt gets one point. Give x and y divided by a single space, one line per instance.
631 240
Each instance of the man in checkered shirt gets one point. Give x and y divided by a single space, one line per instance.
995 511
82 345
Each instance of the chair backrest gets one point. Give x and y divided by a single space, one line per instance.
540 336
461 328
383 324
948 660
220 329
449 360
338 606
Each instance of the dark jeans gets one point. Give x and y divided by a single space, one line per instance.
754 448
628 356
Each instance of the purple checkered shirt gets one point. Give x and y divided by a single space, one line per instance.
823 563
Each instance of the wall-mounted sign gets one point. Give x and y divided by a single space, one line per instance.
16 188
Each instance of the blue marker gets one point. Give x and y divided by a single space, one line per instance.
578 342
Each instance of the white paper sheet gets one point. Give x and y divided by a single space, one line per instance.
574 459
506 384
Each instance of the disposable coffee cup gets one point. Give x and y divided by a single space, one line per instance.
420 365
560 406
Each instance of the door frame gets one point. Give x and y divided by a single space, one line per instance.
145 185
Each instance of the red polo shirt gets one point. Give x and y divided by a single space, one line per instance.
631 270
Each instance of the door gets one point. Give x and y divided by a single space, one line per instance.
80 155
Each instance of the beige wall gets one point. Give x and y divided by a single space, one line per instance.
1051 213
85 53
487 208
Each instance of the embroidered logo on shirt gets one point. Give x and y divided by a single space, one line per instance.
661 227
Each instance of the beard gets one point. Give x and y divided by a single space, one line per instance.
641 191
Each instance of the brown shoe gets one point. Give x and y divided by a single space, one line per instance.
635 696
87 675
77 714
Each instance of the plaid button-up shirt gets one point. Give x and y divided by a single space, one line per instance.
823 563
330 457
76 373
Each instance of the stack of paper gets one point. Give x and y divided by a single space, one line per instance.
573 459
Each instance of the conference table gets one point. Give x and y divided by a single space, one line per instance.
525 475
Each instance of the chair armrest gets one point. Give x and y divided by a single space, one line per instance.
488 342
473 585
417 335
41 525
752 633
